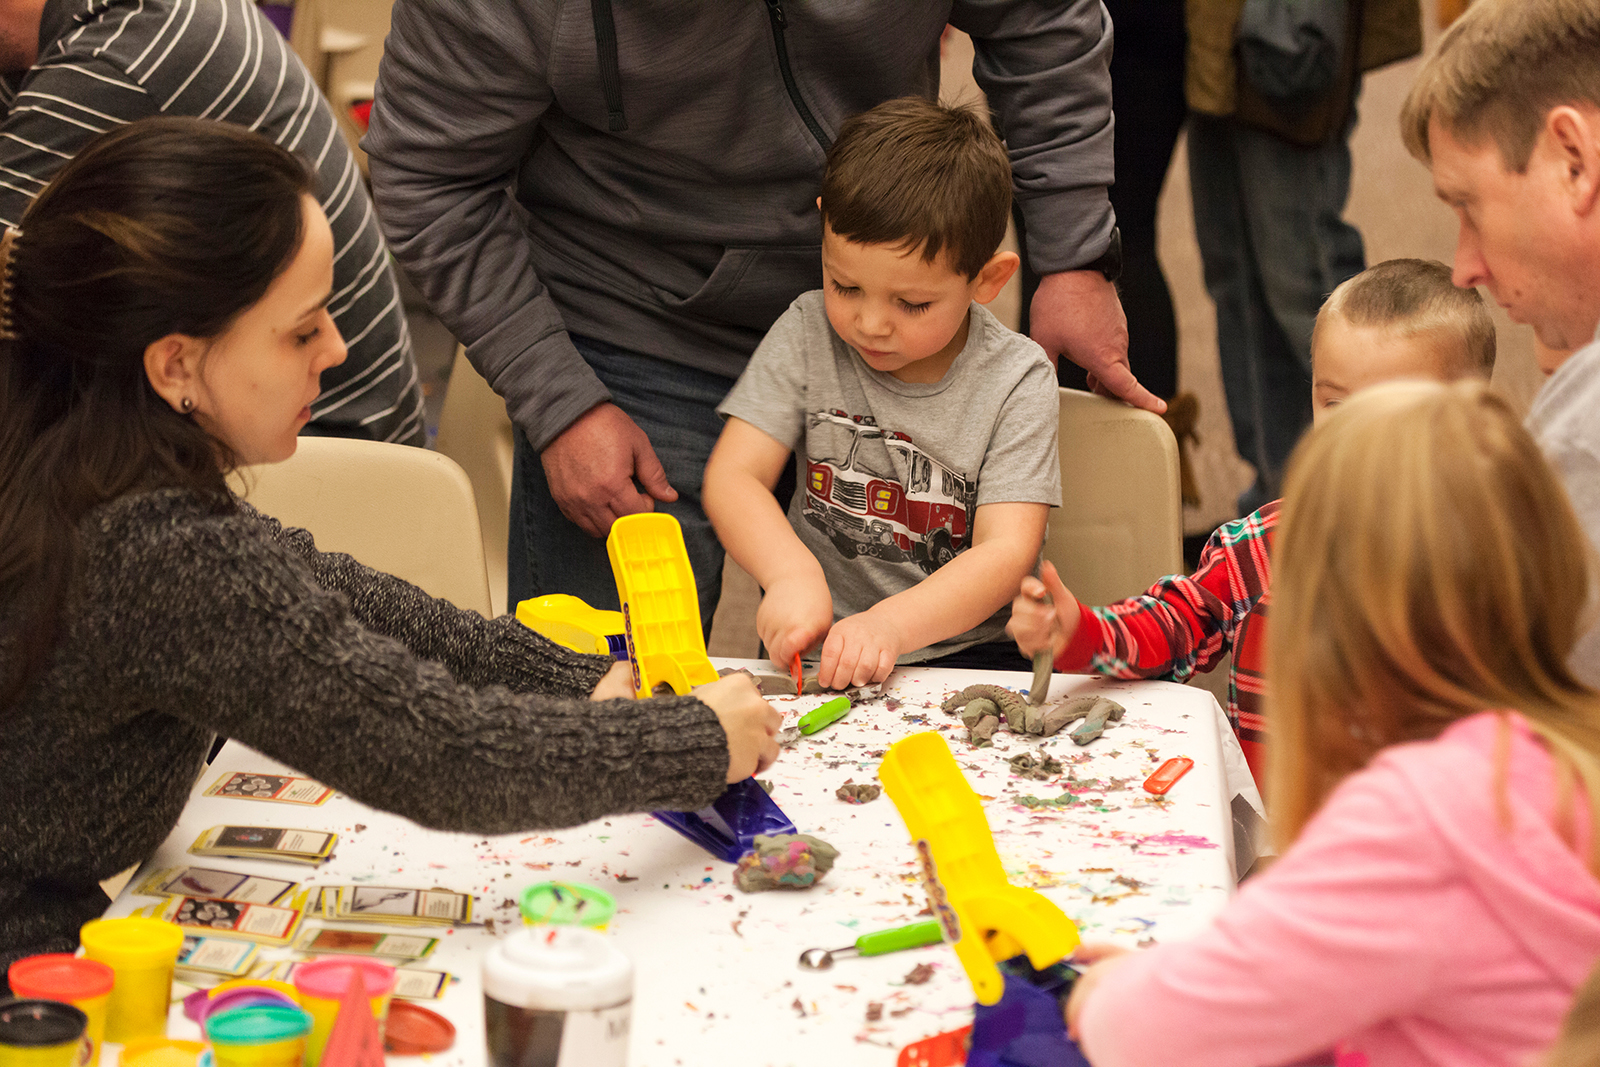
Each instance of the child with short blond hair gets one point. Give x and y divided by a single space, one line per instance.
1399 319
926 429
1435 769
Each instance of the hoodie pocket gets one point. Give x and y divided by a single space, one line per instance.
751 287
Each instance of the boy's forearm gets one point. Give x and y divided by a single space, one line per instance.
959 595
753 528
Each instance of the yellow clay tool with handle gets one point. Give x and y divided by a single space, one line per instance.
985 918
570 622
660 608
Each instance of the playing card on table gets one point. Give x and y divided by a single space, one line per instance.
257 922
217 955
214 885
266 842
282 788
323 939
390 904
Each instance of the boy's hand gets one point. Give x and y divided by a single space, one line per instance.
860 650
1037 623
794 615
749 721
1101 958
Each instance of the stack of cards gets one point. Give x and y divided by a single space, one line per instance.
394 906
266 843
212 884
324 939
258 922
206 959
282 788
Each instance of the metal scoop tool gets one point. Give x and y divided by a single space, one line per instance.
876 944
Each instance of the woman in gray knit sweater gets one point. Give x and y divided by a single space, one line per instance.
164 317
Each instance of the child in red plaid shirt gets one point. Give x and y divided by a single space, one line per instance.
1400 319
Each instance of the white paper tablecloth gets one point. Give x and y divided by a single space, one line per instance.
717 979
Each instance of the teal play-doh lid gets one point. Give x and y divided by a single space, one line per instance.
257 1024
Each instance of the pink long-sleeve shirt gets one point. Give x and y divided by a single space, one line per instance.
1407 925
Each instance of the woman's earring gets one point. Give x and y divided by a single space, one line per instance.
186 404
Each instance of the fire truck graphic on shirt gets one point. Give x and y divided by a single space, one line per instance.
873 492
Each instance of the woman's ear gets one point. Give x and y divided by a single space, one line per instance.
993 275
172 364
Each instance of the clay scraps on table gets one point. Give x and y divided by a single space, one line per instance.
985 708
1040 767
919 974
854 792
784 861
874 1011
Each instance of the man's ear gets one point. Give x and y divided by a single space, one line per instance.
172 364
1573 135
993 275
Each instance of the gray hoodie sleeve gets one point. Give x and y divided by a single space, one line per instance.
460 92
1046 68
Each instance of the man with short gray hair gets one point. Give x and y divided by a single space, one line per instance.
1507 116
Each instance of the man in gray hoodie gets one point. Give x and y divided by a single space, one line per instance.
609 204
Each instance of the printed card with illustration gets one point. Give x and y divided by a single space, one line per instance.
266 842
215 885
258 922
390 904
224 956
282 788
324 939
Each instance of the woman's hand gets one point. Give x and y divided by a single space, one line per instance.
749 721
615 684
1101 957
1038 623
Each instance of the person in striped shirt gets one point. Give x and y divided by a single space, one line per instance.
76 68
1399 319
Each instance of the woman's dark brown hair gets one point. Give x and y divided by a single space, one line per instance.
164 226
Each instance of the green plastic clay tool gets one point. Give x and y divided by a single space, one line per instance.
876 944
826 715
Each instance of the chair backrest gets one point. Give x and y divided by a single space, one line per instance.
1120 524
475 431
402 510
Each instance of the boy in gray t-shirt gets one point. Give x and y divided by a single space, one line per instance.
926 430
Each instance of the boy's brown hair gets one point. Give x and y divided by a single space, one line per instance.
1416 296
913 173
1500 69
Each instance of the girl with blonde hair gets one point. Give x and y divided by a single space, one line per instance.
1435 768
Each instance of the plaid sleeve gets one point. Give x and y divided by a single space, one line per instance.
1183 623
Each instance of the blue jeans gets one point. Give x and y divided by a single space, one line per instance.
676 408
1268 218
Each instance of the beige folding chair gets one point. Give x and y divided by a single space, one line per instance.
402 510
1120 524
475 431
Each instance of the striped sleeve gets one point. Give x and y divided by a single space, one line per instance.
113 61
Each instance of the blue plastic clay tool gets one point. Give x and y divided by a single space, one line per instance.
729 827
826 715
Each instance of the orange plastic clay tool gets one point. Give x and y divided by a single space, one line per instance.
660 607
794 672
1167 775
948 1049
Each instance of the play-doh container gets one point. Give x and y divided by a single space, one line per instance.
42 1033
322 984
556 995
143 953
260 1035
161 1052
85 984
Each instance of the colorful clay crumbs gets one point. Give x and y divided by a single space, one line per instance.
214 885
391 905
225 956
282 788
265 843
271 926
318 940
